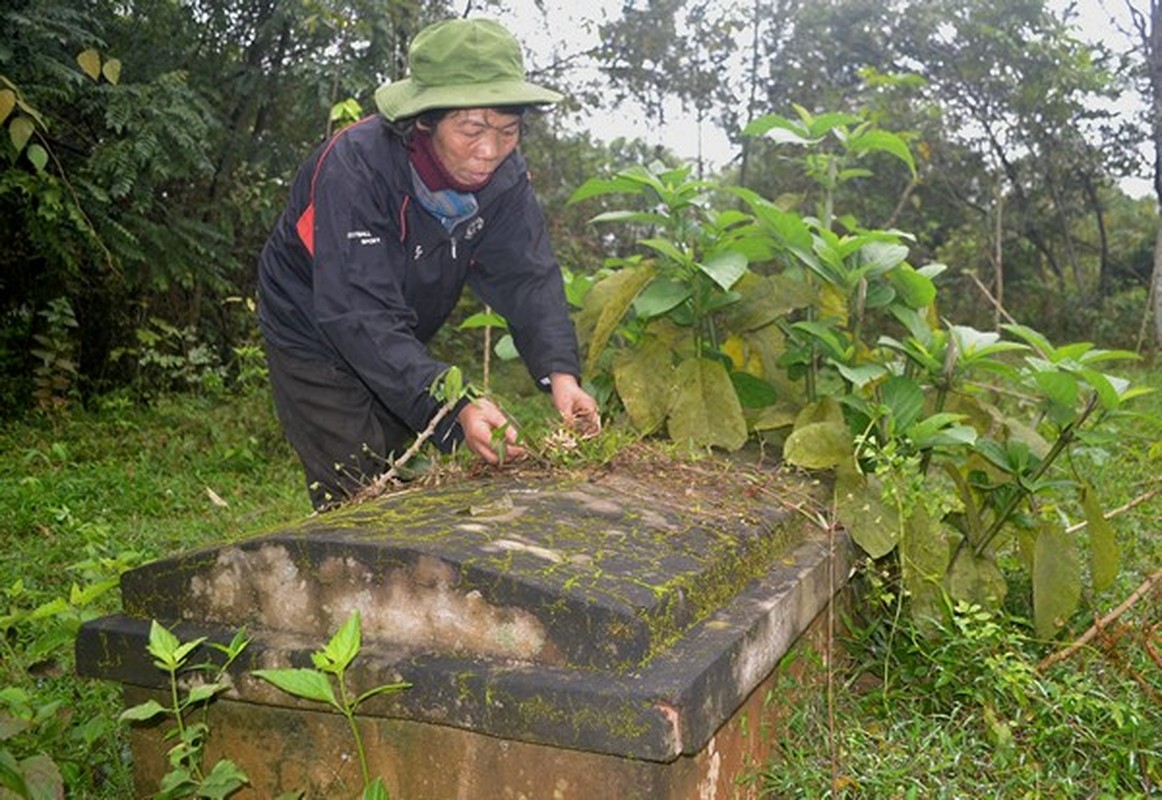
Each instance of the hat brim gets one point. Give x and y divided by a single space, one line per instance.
404 98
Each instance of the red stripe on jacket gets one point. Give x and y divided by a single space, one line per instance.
305 226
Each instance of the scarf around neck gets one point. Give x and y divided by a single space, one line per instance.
437 192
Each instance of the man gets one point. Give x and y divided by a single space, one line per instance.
385 224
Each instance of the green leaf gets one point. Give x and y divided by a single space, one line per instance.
83 596
915 289
7 103
345 644
925 550
484 319
11 777
375 790
827 122
90 62
203 691
788 228
827 409
643 377
976 579
874 140
183 651
878 257
819 445
772 418
178 782
576 287
725 269
860 507
974 343
765 298
779 129
668 249
880 294
1034 338
630 216
706 411
112 70
596 187
449 387
936 432
224 779
606 304
659 297
387 688
1104 553
1106 391
163 645
753 392
827 335
1056 579
720 300
139 713
1019 432
53 608
10 727
20 130
42 778
863 374
905 399
309 684
505 348
1059 387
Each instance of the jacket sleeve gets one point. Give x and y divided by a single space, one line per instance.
516 273
359 271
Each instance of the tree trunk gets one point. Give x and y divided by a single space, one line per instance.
1150 33
1156 288
1104 279
999 259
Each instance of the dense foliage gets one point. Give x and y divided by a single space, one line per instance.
150 143
898 325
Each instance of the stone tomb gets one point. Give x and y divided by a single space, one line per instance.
591 638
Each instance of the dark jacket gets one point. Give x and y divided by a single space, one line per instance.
357 272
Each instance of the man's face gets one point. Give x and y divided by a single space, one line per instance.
472 142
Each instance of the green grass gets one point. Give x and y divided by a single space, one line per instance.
90 493
967 713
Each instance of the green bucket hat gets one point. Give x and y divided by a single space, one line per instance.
461 63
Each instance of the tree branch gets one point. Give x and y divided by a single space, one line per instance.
1117 512
1147 586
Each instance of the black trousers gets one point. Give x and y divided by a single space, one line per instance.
344 436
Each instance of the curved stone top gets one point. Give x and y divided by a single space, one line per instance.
562 573
603 615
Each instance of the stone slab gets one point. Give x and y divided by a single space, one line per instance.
604 618
422 761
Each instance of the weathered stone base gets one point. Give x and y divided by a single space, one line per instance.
289 750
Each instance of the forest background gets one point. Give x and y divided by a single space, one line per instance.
151 143
148 147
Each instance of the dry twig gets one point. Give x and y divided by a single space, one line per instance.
1147 586
1117 512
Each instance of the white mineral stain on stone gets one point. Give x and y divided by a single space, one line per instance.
418 605
708 787
758 656
514 545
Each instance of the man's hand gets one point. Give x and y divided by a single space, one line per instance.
479 419
577 408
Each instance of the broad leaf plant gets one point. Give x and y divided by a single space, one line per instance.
743 317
